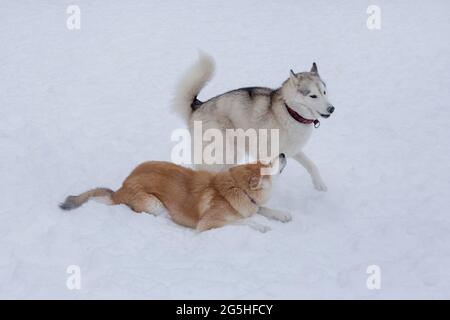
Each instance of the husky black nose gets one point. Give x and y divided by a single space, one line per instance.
330 109
282 155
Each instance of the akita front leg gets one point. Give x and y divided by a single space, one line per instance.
312 170
213 219
252 224
275 214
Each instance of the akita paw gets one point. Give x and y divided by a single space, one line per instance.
263 229
319 185
284 217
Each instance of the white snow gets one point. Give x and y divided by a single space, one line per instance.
79 109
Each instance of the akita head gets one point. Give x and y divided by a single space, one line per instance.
256 178
306 94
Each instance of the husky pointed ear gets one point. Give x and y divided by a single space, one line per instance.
305 92
314 68
292 76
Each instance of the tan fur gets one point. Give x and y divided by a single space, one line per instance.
195 199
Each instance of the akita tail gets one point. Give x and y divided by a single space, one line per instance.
185 100
104 195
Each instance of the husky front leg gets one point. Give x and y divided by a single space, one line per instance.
312 170
275 214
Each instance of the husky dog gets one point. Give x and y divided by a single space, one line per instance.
293 109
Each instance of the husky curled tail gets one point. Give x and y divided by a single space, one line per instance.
191 83
104 195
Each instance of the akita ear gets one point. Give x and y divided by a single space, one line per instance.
293 77
314 68
254 182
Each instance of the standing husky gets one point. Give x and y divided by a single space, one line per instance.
293 109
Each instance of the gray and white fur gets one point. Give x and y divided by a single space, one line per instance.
258 108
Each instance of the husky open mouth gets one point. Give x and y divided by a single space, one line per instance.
325 115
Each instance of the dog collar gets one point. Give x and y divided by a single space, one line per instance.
251 199
300 119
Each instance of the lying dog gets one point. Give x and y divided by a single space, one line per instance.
195 199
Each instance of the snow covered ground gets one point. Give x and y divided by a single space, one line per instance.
81 108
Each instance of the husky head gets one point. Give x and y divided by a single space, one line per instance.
306 94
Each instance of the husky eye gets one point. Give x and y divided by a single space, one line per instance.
313 96
324 92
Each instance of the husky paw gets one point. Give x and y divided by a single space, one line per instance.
319 185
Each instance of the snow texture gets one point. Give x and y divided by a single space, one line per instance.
81 108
